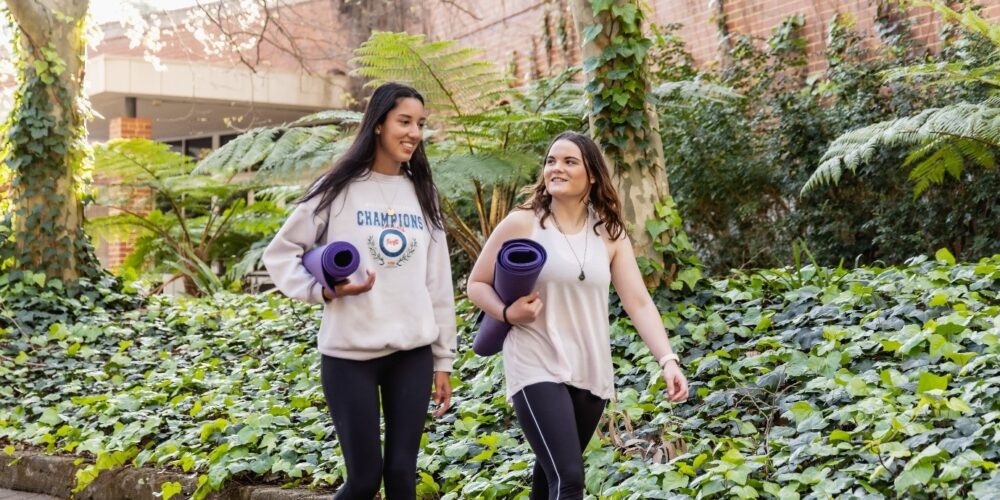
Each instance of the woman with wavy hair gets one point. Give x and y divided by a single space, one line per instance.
557 356
383 340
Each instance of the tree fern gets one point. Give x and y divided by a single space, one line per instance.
941 140
946 73
200 218
288 151
452 79
958 127
334 116
133 160
250 262
457 174
280 194
693 90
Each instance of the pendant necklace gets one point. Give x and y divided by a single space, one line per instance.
390 211
586 240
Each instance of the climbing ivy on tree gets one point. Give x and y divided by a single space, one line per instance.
45 150
623 119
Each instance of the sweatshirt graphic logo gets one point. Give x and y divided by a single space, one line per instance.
392 243
390 246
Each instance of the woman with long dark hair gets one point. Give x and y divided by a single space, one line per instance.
557 357
389 336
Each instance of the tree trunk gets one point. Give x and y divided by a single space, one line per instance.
639 173
46 135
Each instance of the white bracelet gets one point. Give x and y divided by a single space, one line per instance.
669 357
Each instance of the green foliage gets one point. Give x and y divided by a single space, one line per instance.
194 219
620 81
43 156
287 152
942 140
686 268
452 79
870 382
737 166
948 137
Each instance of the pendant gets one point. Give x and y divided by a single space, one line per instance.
391 212
582 276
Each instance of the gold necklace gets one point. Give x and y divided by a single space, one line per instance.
582 276
390 210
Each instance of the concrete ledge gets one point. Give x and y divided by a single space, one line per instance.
56 475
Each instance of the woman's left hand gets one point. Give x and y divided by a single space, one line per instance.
677 385
442 392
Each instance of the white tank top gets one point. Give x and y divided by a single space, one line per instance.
569 342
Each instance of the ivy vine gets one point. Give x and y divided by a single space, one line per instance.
620 78
45 144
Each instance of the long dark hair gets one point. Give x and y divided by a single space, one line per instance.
358 160
602 196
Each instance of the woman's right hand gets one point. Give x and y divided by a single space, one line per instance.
525 309
348 288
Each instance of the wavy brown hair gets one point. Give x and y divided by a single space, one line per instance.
602 196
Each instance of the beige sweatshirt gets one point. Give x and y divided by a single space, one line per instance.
412 303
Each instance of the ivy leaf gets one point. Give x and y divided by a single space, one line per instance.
656 227
590 33
688 276
601 5
50 416
943 255
917 476
673 480
170 488
930 382
627 12
839 435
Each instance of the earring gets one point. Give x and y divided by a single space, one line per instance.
378 131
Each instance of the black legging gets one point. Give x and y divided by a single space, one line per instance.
352 395
558 420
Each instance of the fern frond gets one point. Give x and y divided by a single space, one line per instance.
280 194
694 90
139 161
946 73
968 18
285 151
931 169
976 152
336 116
302 151
453 174
972 123
114 227
250 262
451 78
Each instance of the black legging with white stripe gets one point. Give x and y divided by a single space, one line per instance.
558 420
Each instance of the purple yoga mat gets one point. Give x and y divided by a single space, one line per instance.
332 263
518 264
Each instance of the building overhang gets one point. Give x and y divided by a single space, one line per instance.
191 98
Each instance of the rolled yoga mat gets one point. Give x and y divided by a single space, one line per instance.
518 264
332 263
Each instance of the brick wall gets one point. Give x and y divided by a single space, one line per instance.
124 127
112 253
506 28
